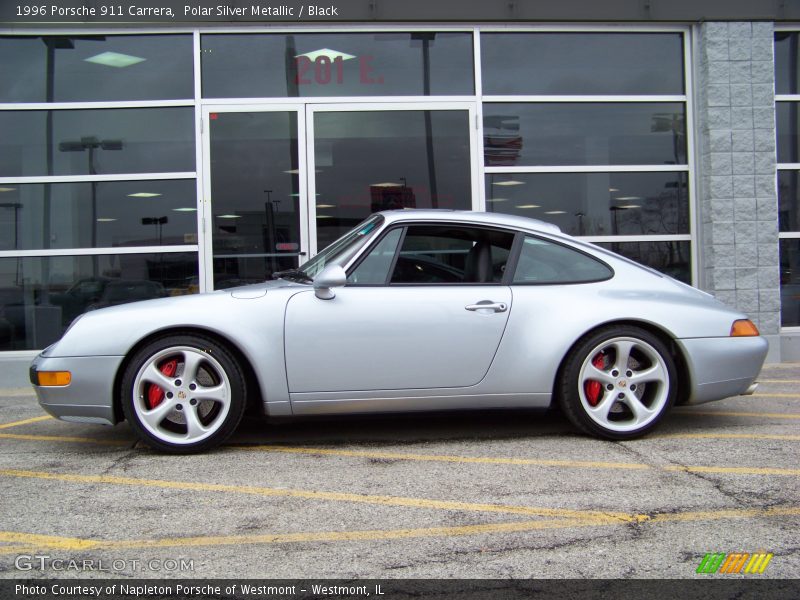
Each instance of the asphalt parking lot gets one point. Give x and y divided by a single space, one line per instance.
467 495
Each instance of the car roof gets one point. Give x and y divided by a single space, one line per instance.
469 216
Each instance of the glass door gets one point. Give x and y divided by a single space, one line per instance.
363 158
255 202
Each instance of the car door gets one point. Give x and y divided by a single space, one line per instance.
425 308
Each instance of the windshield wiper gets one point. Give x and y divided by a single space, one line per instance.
293 274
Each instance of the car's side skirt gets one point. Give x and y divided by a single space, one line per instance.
401 400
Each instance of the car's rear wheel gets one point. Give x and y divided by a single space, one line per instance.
618 382
183 393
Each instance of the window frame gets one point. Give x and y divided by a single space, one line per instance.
521 245
505 281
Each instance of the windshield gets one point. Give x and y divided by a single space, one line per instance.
340 251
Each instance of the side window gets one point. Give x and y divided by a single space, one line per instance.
452 254
374 269
546 262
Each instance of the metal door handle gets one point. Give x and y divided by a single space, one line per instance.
488 305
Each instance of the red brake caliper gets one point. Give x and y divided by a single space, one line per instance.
155 394
593 389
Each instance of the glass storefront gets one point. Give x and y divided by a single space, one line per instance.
787 117
162 180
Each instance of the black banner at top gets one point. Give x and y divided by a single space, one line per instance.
24 13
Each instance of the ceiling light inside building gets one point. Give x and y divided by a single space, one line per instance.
497 199
184 209
6 189
114 59
143 195
229 216
105 220
326 52
509 182
628 198
386 184
555 212
528 206
629 206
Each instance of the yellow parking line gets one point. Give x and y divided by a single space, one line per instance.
25 422
726 436
63 438
446 458
362 535
714 515
48 541
759 395
39 542
723 413
734 470
514 461
778 380
315 495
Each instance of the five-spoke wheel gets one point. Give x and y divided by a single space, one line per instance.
183 393
618 382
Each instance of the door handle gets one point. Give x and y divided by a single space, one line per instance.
488 305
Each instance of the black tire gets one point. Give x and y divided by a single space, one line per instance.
617 382
183 394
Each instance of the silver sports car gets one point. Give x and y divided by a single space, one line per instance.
409 311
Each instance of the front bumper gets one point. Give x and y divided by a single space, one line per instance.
722 367
89 396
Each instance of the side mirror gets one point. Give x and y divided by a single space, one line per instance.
330 277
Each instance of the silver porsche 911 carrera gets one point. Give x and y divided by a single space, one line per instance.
409 311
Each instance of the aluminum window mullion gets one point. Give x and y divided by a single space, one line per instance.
585 98
590 169
90 178
94 105
479 149
669 237
98 251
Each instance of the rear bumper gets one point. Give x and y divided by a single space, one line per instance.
722 367
89 396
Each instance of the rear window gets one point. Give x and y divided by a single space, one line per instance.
541 261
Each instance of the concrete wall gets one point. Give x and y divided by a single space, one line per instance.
737 197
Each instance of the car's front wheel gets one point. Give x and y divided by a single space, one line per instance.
618 382
183 393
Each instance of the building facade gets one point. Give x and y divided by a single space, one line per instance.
139 163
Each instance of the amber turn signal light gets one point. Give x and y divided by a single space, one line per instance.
54 378
743 328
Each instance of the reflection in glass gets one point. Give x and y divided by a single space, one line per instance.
98 214
584 134
582 63
787 62
787 118
95 68
672 258
337 64
382 160
255 195
595 203
40 296
790 282
88 142
789 200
